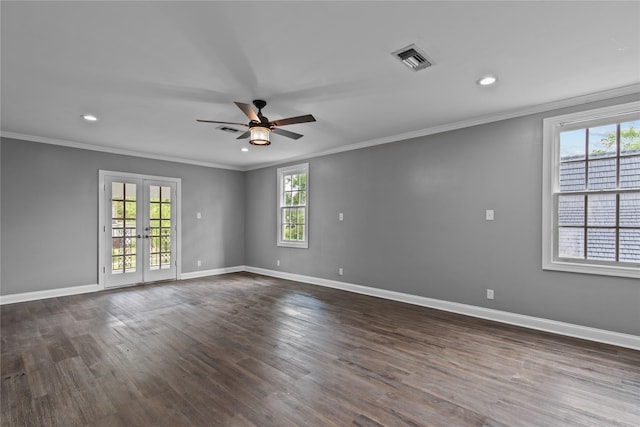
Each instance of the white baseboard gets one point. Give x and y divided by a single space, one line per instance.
51 293
553 326
214 272
76 290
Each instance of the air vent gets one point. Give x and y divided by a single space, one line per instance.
228 129
412 57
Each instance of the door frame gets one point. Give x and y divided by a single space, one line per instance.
102 220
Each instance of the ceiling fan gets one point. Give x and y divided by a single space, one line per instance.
260 127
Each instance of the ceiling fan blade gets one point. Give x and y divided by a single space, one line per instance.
224 123
244 135
287 133
293 120
246 109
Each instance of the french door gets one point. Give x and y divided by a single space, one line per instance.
139 229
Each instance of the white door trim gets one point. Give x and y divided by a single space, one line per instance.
101 218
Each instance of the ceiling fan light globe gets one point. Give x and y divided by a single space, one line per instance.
260 136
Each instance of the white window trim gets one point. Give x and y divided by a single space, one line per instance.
551 185
300 168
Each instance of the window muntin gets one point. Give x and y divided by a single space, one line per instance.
591 217
293 195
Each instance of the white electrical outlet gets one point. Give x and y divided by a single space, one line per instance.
199 215
490 294
340 271
489 215
199 263
277 263
340 217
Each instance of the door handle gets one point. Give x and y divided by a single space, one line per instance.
139 236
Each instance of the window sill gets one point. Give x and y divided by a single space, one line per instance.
602 270
299 245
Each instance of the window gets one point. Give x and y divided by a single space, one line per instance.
293 199
591 196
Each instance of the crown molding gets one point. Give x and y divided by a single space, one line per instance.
112 150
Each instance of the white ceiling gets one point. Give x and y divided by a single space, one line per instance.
148 70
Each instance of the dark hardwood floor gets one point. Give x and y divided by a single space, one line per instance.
249 350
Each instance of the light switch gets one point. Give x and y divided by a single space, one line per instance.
489 215
340 217
199 215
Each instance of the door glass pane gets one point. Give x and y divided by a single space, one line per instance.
160 230
123 240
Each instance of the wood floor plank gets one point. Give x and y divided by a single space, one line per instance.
249 350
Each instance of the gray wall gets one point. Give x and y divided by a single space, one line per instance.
50 214
414 223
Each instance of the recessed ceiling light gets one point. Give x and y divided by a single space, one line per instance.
487 80
90 117
245 149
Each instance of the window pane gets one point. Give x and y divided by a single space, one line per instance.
570 210
117 232
166 211
630 210
300 219
130 211
602 141
165 194
571 242
117 246
602 174
630 138
117 264
154 193
303 182
130 191
630 172
629 245
601 210
287 183
117 209
117 191
572 176
303 197
301 232
601 243
166 223
572 145
154 210
130 263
